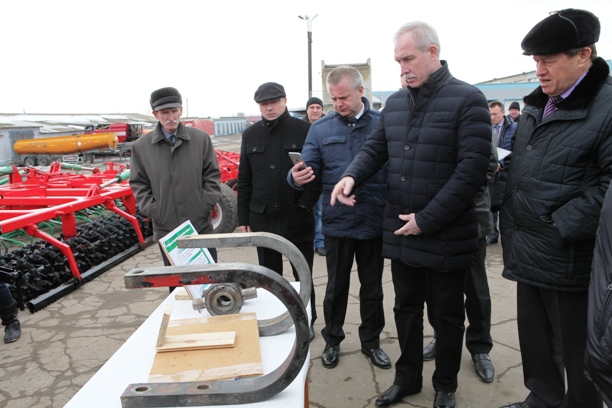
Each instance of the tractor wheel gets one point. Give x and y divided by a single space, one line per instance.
224 216
30 161
43 161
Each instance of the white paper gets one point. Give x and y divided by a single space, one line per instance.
502 153
186 256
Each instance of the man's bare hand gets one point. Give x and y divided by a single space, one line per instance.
342 190
302 176
245 228
411 227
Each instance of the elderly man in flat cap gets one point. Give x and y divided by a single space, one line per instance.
174 171
266 203
556 179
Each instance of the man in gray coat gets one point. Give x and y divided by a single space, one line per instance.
174 171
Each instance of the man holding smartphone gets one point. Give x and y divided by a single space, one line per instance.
265 202
350 232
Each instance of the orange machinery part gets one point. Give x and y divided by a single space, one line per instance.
66 144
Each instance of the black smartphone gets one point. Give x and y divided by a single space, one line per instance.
296 158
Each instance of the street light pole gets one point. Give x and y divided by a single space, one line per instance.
309 33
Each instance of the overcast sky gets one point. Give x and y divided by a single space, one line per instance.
90 56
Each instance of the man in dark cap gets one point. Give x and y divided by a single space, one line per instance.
266 203
556 178
174 171
314 109
514 111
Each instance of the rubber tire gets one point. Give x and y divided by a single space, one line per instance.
43 161
224 216
30 161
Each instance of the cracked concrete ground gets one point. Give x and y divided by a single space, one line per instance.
63 345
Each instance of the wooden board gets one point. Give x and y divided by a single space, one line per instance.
197 341
242 360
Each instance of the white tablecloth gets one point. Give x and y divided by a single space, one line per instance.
133 361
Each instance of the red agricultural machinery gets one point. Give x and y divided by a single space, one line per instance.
95 212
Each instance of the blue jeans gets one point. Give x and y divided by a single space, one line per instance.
318 240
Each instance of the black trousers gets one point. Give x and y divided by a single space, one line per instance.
410 284
552 331
477 304
274 260
339 257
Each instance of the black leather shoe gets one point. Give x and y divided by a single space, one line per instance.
483 367
394 395
492 240
330 356
444 399
311 333
378 357
429 352
321 251
12 331
517 405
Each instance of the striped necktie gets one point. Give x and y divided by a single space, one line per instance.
551 105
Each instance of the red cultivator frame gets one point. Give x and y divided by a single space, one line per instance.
32 196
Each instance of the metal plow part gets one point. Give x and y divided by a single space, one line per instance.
225 392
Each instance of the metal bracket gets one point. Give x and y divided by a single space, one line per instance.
175 275
240 391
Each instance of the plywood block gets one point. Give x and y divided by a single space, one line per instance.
242 360
197 341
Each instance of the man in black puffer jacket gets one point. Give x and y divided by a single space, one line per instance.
556 179
599 318
436 137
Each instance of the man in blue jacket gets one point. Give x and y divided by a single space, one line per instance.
350 232
436 137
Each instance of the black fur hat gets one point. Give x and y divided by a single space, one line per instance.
515 105
562 31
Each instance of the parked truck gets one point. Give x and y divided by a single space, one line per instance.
127 134
43 151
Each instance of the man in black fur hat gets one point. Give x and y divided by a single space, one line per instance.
556 179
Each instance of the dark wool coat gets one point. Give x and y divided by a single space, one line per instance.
557 177
265 201
438 147
173 184
331 145
598 360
